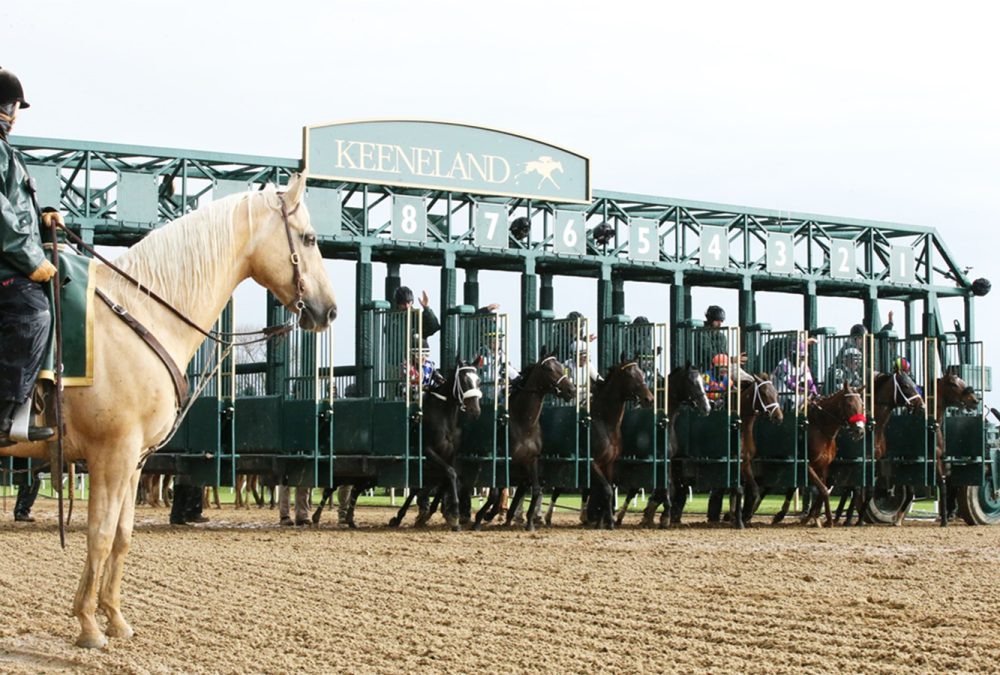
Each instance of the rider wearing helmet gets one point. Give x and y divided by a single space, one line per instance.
24 270
717 378
848 367
713 340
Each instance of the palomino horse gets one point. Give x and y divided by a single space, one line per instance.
442 438
525 434
827 415
194 263
892 390
625 382
685 386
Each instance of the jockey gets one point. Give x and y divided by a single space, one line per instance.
24 271
849 368
717 379
421 369
788 377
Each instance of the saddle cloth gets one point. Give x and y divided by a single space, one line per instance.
77 300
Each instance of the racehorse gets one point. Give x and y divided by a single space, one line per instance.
892 390
685 386
525 434
194 264
760 398
826 416
952 392
457 393
625 382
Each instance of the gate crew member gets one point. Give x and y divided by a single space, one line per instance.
24 270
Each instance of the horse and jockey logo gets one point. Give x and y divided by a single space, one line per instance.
544 166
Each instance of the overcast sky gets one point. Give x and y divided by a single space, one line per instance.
886 111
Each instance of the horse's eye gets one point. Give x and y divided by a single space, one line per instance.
309 239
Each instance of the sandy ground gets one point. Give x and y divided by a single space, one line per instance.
241 594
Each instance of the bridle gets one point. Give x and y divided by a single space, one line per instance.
459 394
552 387
853 419
296 260
768 408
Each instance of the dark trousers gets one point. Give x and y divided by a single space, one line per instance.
26 495
24 335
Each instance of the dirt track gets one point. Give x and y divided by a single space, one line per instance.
242 595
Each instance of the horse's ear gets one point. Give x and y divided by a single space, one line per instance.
293 193
622 358
847 386
544 352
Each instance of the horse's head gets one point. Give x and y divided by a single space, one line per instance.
954 392
552 378
686 385
285 259
765 398
628 380
852 410
465 389
905 391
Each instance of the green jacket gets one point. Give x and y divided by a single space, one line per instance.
20 239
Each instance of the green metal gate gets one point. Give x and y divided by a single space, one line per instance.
484 454
565 425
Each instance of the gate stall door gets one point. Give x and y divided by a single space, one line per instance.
838 359
484 456
565 424
708 455
643 463
397 397
781 461
960 387
909 457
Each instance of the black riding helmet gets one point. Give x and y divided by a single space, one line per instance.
715 313
857 330
402 296
11 89
640 321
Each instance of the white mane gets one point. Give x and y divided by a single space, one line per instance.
187 255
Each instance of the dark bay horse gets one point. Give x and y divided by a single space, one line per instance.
892 390
525 434
827 416
625 382
442 437
685 387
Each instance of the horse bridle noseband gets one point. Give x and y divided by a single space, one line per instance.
460 395
757 398
296 260
860 417
552 388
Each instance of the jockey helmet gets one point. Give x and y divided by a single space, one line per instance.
715 313
10 89
720 360
900 365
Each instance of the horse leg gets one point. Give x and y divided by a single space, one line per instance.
488 510
318 513
677 505
653 503
352 502
424 511
736 507
398 518
604 507
904 509
515 504
632 492
109 598
111 485
824 494
780 515
536 497
552 506
715 505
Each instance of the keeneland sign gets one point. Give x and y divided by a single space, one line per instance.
445 156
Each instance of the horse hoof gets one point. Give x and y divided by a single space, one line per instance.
352 525
394 522
548 521
529 527
456 528
477 527
122 630
97 641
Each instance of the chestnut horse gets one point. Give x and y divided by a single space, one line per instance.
827 416
194 263
525 434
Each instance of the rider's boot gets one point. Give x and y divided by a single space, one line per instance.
7 410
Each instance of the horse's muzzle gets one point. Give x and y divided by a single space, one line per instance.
315 319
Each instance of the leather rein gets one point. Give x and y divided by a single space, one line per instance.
176 375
